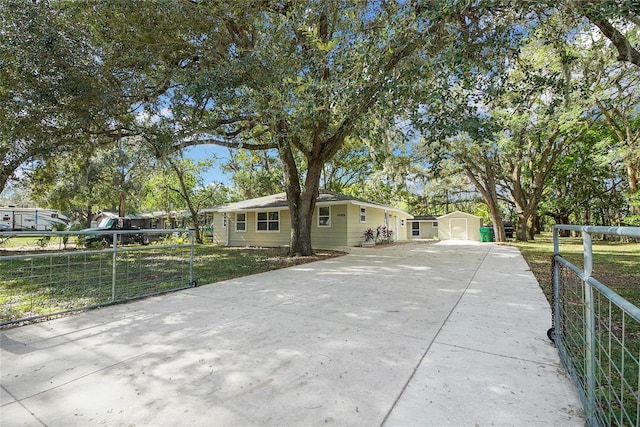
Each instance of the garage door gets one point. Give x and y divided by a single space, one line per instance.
458 229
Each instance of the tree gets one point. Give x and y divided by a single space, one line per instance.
506 126
618 102
586 186
102 177
55 93
191 190
613 80
605 15
473 152
450 191
350 168
375 165
254 173
541 116
294 76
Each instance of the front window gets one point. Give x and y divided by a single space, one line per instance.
241 222
324 216
363 214
415 229
268 221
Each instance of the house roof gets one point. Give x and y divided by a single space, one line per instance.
425 218
280 201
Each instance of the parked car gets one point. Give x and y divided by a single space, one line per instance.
112 224
508 229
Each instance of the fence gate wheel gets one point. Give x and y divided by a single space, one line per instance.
551 333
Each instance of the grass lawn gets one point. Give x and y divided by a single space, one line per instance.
615 264
44 285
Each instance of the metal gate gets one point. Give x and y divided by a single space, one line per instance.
597 333
57 273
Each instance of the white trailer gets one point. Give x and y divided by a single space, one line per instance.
30 219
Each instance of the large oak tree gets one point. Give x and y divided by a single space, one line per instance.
299 77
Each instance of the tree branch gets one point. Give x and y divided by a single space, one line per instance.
626 52
228 144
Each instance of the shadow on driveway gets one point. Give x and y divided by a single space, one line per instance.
415 334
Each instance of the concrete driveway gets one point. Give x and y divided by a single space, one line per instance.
410 335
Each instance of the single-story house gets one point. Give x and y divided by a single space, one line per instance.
459 226
423 227
338 221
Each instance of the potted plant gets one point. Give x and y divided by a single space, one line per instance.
385 235
369 237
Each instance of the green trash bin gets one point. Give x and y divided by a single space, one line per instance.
486 234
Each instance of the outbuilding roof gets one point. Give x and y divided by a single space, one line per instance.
458 214
424 218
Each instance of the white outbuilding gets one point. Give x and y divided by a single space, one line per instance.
459 226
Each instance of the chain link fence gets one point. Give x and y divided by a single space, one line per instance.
597 333
52 273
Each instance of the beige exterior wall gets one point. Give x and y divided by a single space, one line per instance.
399 224
252 237
334 235
219 235
374 218
427 230
344 229
459 226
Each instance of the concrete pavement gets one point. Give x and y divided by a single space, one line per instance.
410 335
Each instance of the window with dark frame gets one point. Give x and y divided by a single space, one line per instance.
268 221
241 222
415 229
363 214
324 216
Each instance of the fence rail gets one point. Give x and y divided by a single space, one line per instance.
45 274
597 333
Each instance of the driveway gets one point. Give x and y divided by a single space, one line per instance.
410 335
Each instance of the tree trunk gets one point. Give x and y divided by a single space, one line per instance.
193 210
304 207
561 217
485 182
522 229
9 165
301 201
89 216
632 178
301 214
121 204
531 230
